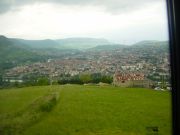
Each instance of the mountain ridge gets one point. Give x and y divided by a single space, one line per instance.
80 43
66 43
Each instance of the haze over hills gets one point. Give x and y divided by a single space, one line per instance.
79 43
67 43
82 43
12 48
108 47
13 52
150 43
142 45
158 46
46 43
75 43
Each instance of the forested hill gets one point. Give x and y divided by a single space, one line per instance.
66 43
141 47
11 54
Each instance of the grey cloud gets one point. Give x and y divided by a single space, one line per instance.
113 6
7 5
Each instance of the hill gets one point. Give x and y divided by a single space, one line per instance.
84 110
108 47
92 44
150 42
47 43
140 47
67 43
151 47
11 53
81 43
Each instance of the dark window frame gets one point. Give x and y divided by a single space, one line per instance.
174 39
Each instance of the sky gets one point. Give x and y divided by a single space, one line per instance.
119 21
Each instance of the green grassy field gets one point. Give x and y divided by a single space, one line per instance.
84 110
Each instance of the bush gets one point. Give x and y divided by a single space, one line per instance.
43 81
86 78
48 105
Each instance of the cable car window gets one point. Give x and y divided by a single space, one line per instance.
85 67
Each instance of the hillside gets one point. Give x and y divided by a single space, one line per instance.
84 110
47 43
92 44
11 53
108 47
67 43
150 42
148 47
82 43
160 45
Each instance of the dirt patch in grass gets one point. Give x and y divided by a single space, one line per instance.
12 124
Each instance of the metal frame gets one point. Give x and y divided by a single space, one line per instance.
174 36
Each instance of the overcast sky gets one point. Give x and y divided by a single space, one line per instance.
119 21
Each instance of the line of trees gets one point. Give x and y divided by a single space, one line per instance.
35 80
32 81
86 78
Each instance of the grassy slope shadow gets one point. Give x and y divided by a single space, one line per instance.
13 124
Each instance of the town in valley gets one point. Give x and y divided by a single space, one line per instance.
145 64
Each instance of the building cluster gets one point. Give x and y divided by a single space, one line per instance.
129 79
124 77
134 66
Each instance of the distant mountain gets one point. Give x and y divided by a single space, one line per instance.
47 43
140 45
10 50
82 43
4 42
67 43
148 47
14 50
108 47
150 43
11 53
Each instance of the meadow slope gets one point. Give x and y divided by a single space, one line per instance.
84 110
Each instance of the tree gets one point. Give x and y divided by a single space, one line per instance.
107 79
86 78
43 81
16 84
1 80
96 77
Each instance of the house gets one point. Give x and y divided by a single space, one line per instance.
128 79
13 79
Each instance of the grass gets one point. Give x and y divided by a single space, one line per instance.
84 110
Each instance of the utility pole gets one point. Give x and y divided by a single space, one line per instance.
162 81
50 75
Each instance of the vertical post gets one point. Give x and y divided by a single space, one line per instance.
51 80
50 75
